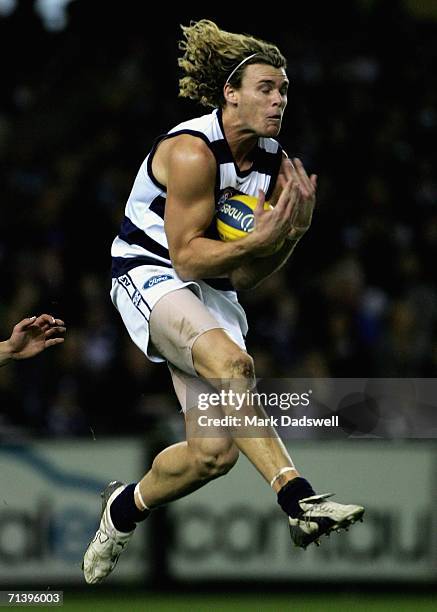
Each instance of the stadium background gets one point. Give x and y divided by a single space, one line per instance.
79 108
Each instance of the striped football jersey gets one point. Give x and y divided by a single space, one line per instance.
142 238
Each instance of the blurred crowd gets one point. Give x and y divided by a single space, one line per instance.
79 110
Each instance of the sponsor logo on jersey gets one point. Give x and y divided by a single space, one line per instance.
155 280
227 193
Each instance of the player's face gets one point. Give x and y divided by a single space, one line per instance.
262 99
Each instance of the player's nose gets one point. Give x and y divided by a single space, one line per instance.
277 98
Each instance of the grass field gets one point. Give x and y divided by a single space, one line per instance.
137 602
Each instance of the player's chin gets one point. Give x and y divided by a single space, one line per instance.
272 128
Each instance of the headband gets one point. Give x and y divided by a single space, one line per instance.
246 59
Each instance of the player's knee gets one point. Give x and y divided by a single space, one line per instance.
214 464
239 364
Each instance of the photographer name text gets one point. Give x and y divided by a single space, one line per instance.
255 421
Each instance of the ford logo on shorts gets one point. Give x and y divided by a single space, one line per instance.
155 280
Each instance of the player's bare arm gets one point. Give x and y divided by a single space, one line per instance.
31 336
189 175
257 269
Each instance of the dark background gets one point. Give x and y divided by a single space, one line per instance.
79 110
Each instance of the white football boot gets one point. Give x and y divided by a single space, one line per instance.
103 551
320 516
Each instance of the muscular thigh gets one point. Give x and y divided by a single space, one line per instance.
177 320
193 341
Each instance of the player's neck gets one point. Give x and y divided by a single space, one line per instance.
241 141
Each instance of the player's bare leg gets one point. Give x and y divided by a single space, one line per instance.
176 471
182 468
234 367
187 466
310 515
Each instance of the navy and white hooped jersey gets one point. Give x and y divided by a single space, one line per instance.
142 239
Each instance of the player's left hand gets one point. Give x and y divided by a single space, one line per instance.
32 335
302 212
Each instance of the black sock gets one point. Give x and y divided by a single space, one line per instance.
291 493
124 512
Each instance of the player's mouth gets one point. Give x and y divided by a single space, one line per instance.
275 117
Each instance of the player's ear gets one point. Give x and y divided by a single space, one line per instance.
230 94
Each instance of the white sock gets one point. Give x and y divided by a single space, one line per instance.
140 497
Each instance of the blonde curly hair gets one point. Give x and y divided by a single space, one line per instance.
210 56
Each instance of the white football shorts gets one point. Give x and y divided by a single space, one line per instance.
182 311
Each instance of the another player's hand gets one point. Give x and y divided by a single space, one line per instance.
31 336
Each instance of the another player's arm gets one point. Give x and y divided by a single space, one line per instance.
5 353
190 173
30 337
253 271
